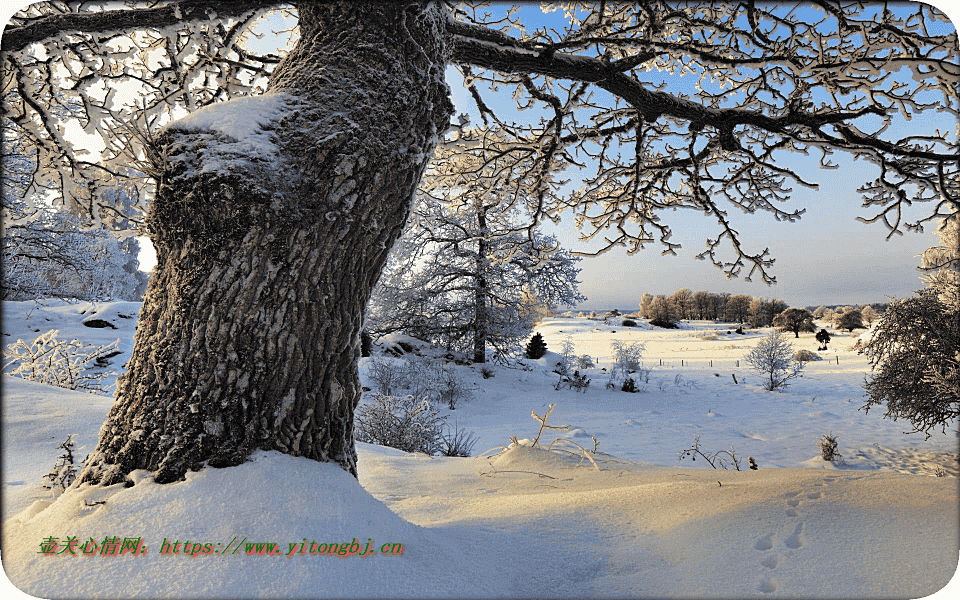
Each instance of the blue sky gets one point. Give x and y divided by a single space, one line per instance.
827 257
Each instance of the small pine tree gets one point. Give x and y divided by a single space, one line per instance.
536 347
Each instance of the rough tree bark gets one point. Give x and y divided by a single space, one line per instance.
248 336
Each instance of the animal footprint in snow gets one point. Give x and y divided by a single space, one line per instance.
768 585
765 543
813 495
794 502
796 540
790 494
771 561
791 512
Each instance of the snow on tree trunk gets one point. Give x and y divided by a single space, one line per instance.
272 222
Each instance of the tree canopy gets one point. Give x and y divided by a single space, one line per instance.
653 106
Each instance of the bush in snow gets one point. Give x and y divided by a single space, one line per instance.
388 376
449 388
828 448
663 324
584 362
626 360
417 376
458 443
64 471
629 323
402 422
536 348
805 355
714 459
60 363
773 358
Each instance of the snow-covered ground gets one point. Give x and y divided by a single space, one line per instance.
523 522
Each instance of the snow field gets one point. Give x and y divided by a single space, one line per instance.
520 522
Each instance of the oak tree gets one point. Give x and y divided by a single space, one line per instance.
273 213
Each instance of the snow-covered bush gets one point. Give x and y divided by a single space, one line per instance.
828 448
64 471
568 356
773 358
805 355
60 363
418 376
49 254
388 376
458 442
629 323
449 388
584 362
626 360
402 422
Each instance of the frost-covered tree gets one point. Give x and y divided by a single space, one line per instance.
819 312
663 311
915 355
645 301
849 319
773 358
48 253
682 300
704 306
941 263
464 274
868 314
914 348
273 214
737 308
795 320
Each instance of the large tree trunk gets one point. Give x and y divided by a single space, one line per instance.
248 336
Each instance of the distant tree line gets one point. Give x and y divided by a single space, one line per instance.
685 304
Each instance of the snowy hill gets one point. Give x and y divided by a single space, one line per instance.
520 521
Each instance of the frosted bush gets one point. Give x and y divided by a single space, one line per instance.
828 448
60 363
388 376
584 362
419 377
773 358
627 357
402 422
568 356
626 360
805 355
64 471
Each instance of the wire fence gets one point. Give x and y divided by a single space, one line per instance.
706 363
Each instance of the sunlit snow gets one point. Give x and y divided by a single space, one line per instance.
517 521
